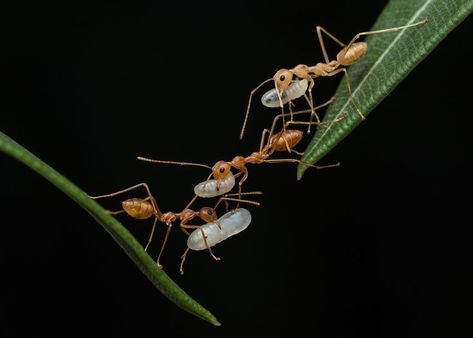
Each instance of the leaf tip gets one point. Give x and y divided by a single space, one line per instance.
300 171
214 322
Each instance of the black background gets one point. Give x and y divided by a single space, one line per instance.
376 248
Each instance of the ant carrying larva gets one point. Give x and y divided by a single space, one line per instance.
271 142
145 208
285 79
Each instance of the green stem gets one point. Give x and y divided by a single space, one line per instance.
119 233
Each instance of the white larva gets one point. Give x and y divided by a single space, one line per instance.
231 224
212 188
294 91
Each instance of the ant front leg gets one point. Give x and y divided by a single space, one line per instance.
204 237
240 183
242 132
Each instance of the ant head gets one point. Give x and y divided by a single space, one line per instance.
282 79
208 214
220 170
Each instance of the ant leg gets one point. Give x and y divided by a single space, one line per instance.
195 195
151 234
113 213
263 134
351 98
184 255
157 215
321 30
310 100
294 160
290 104
338 119
282 109
169 225
305 111
240 183
188 226
285 125
225 199
123 191
207 245
183 259
185 231
249 105
393 29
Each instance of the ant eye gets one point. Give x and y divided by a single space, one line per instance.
210 212
282 78
222 169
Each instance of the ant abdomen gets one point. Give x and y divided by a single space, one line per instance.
138 208
289 138
352 54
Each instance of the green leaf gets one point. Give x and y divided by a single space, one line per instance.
390 58
119 233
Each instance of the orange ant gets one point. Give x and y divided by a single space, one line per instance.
349 55
140 208
286 139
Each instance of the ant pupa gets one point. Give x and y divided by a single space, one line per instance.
296 89
212 233
145 208
350 54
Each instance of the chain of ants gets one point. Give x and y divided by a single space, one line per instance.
271 141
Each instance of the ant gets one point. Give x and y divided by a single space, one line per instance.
349 54
144 208
286 139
